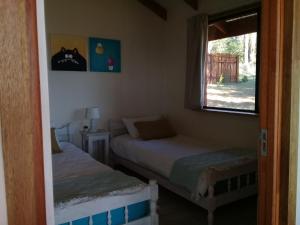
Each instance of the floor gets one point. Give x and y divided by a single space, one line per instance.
174 210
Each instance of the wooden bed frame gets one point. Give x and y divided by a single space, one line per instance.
108 203
212 200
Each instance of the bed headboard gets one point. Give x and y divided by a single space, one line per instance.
63 133
116 128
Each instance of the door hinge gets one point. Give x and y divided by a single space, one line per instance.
264 142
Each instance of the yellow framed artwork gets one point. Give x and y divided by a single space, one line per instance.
68 52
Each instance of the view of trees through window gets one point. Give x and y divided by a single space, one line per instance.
231 72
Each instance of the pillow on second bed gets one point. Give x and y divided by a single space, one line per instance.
156 129
129 123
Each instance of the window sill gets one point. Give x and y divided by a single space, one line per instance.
228 111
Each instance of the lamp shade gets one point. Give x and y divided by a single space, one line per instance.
92 113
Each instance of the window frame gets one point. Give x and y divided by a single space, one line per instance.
253 8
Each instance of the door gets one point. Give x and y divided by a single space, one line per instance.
275 103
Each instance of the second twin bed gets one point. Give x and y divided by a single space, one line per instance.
209 175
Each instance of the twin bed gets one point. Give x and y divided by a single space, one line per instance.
87 192
209 175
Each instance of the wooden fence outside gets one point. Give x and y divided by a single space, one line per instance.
222 64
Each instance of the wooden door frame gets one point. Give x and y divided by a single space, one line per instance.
294 167
275 110
24 113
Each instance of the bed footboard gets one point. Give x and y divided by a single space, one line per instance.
108 206
240 182
237 183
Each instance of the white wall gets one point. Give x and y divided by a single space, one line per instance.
229 129
153 68
137 89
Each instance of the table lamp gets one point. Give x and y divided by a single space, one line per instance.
92 114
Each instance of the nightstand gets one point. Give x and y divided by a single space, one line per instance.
89 139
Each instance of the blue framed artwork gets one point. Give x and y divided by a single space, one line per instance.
105 55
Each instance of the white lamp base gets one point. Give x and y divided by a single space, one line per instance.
93 128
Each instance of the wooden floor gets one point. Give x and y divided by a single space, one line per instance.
174 210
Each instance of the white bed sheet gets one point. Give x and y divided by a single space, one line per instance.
73 162
159 155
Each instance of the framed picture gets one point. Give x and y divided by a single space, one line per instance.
68 53
105 55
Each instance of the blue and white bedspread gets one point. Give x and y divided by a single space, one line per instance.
78 178
193 172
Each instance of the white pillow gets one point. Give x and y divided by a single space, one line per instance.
129 123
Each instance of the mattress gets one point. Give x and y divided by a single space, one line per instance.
160 155
73 162
78 178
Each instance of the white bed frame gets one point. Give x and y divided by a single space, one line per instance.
108 203
211 201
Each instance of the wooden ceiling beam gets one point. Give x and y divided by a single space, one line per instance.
221 27
193 3
155 8
234 28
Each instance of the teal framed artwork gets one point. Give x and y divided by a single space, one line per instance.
105 55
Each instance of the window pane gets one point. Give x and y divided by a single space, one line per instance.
231 72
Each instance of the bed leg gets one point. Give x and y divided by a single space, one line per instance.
109 218
210 217
91 220
153 202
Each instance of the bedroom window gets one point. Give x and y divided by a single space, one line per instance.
232 63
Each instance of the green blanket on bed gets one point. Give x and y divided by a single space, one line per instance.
193 172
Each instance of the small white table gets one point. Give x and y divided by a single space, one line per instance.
88 139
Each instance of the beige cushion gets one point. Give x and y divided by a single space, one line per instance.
54 143
129 123
155 129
